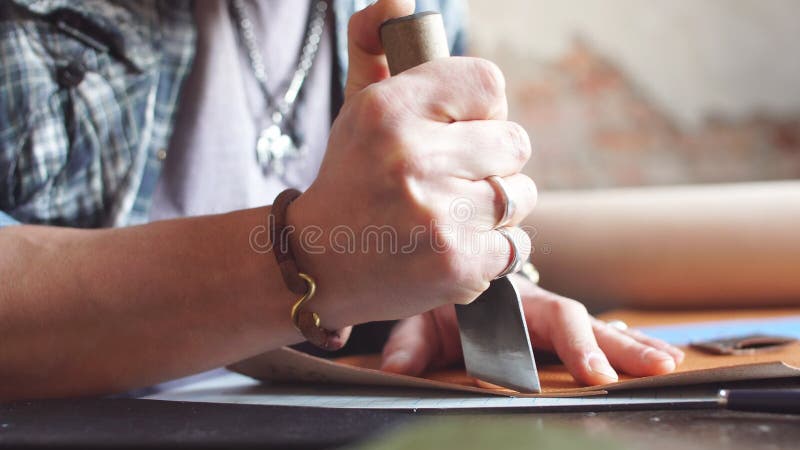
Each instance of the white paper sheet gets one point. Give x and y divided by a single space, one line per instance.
235 388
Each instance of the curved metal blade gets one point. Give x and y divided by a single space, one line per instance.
494 337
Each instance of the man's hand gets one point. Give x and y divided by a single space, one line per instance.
584 344
401 213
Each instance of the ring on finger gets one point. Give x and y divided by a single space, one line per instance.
508 204
516 262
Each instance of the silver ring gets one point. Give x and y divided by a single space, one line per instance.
508 204
516 262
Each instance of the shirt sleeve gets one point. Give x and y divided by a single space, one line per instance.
6 220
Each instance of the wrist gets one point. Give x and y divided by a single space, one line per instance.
258 276
307 241
315 312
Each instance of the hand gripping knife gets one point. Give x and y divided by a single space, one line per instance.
494 334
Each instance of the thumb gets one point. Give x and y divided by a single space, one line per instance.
410 347
367 61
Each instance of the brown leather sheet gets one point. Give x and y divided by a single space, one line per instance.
286 365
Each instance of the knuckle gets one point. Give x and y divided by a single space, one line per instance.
405 162
531 192
490 86
414 213
375 105
520 142
644 351
577 307
386 131
490 77
565 308
403 180
419 210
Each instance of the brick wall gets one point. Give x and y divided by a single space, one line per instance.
594 125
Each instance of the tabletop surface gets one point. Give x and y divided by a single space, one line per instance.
152 423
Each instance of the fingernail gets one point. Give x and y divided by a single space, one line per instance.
397 361
599 364
657 357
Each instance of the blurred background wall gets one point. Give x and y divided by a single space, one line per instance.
641 92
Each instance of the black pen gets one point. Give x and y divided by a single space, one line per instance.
783 401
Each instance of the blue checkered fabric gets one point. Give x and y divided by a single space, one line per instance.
88 95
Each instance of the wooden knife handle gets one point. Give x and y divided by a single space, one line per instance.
412 40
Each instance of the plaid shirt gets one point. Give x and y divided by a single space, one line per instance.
88 95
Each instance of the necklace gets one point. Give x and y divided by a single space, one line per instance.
278 142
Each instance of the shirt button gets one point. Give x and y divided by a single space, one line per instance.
70 75
161 154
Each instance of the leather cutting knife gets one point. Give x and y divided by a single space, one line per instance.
494 334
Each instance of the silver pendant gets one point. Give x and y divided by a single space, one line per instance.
273 147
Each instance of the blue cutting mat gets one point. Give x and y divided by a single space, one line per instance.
683 334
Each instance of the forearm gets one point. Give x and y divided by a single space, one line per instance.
701 246
107 310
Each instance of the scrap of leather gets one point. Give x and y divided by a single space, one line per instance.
743 345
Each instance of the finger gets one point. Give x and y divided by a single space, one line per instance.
453 89
367 62
569 329
411 346
514 198
677 354
487 203
475 149
499 251
630 355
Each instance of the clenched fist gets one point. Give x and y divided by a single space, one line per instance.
401 218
